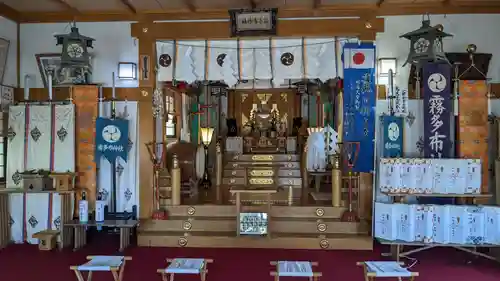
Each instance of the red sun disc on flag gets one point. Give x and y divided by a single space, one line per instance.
358 58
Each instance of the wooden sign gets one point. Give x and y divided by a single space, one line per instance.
253 22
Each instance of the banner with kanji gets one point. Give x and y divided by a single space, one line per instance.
437 110
359 101
111 138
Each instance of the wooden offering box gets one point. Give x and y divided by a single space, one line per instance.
63 181
37 182
47 239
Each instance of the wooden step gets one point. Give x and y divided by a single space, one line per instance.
229 240
262 158
292 225
293 173
225 211
254 165
263 181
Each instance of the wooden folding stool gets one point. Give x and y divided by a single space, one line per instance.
374 269
295 269
113 264
185 266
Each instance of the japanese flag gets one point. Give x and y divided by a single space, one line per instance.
359 58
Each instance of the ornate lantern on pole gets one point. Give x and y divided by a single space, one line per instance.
426 44
218 90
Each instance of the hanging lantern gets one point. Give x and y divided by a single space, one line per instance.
426 44
75 48
218 89
307 87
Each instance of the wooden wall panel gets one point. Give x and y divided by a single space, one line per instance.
85 100
473 125
146 135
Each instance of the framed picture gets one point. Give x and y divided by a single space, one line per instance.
261 22
4 51
61 77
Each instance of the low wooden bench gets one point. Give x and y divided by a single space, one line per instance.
295 269
47 239
185 266
113 264
386 269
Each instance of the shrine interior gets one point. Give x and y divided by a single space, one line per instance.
303 125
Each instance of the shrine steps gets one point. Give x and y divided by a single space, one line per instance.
291 227
333 242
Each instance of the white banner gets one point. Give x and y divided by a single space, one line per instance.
320 59
222 61
287 60
39 137
255 60
190 61
127 187
16 145
165 54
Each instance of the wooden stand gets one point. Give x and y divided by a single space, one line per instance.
185 266
47 239
113 264
63 181
295 269
386 269
126 227
267 191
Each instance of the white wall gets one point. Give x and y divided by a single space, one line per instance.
113 44
8 30
467 29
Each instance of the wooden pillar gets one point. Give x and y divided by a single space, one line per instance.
85 99
147 134
4 220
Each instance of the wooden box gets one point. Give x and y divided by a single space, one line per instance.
63 181
47 239
37 183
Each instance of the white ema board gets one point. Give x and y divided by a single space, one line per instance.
430 176
440 224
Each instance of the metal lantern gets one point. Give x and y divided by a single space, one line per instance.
75 48
426 44
218 89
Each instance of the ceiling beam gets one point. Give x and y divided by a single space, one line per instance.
9 13
67 6
190 5
129 6
354 10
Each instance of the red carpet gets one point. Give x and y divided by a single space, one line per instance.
26 263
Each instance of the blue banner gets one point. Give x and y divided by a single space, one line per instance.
437 110
111 139
393 136
360 101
